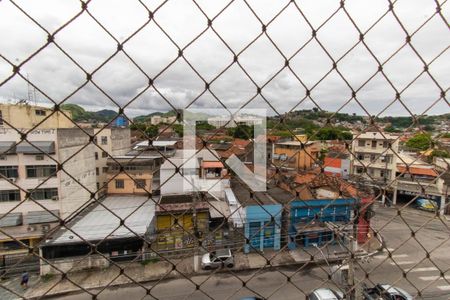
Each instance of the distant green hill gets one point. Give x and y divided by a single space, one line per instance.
79 114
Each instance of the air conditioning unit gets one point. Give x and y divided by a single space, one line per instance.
31 228
39 157
55 198
45 228
12 179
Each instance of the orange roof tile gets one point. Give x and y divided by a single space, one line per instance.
418 171
211 164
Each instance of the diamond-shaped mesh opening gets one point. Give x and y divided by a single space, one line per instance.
224 149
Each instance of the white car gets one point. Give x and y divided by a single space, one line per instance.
218 259
325 294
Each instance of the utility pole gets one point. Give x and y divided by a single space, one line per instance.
353 247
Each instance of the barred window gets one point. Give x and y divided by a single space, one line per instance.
41 171
9 195
140 183
120 184
45 194
9 171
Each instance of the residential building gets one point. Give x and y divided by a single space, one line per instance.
109 142
319 198
337 163
198 171
418 179
133 175
295 155
227 122
22 116
374 157
260 215
156 120
32 167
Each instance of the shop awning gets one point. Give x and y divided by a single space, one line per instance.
7 147
11 219
42 216
39 147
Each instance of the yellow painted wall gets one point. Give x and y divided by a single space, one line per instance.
166 222
24 116
129 184
300 160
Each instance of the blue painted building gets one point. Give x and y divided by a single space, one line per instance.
262 216
307 219
120 121
263 227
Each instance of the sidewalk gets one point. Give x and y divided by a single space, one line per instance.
152 271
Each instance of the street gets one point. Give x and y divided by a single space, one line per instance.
409 255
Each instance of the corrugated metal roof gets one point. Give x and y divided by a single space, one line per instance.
7 147
11 219
99 223
39 147
41 216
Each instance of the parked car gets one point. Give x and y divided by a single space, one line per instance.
426 204
385 292
325 294
217 259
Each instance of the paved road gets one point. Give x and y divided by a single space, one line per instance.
409 255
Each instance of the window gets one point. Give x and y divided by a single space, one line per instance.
45 194
374 144
120 184
104 140
385 144
9 195
41 171
96 155
1 118
361 143
373 158
359 170
3 157
105 169
360 156
97 171
382 174
98 185
9 171
39 157
104 154
140 183
40 112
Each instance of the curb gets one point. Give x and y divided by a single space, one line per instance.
221 271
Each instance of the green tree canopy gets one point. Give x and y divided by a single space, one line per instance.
241 131
151 131
421 141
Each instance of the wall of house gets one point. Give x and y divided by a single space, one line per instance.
129 184
263 227
171 236
118 142
297 158
25 116
79 162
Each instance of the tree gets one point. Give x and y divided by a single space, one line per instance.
203 125
151 131
241 131
421 142
138 126
178 128
332 133
439 153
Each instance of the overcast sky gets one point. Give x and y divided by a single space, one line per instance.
90 46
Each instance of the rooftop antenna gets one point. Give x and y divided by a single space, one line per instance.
31 91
